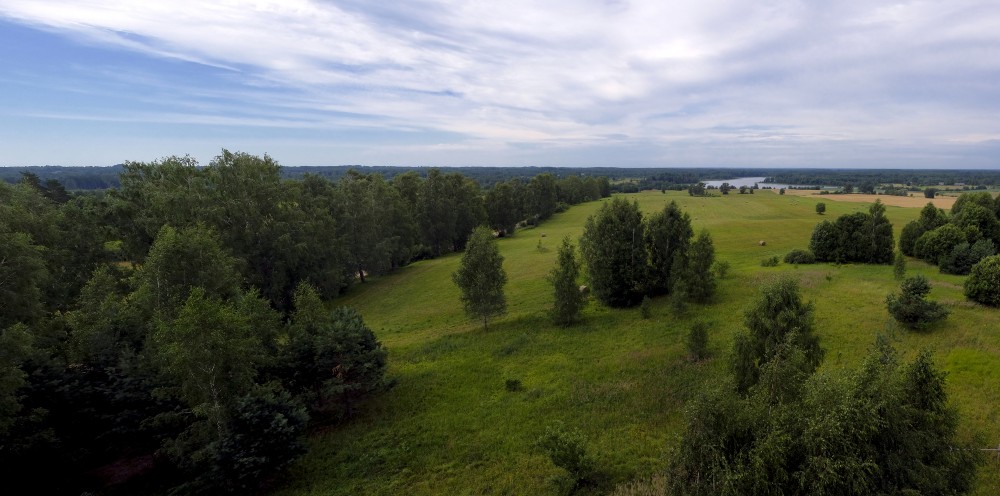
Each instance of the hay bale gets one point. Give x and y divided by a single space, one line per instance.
762 243
584 290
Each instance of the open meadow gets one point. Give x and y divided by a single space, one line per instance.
449 424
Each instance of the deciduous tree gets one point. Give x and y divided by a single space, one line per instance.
569 300
612 247
481 277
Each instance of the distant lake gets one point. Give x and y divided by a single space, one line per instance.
749 182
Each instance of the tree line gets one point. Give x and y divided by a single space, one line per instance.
174 330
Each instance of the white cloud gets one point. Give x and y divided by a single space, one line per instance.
569 73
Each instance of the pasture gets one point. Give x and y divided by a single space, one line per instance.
449 425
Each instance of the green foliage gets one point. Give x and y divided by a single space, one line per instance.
983 284
569 300
879 429
700 281
911 308
612 247
824 241
210 348
22 275
370 224
899 266
696 341
180 261
107 320
777 312
770 261
481 277
331 359
937 243
858 237
543 193
15 349
646 307
567 448
820 208
263 436
799 256
505 206
667 238
964 256
721 268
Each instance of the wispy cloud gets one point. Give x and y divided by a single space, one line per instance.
665 79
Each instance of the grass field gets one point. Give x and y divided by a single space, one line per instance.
449 425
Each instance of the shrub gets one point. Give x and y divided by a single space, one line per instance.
770 262
899 266
798 256
697 341
568 450
646 308
963 256
983 284
513 385
721 268
910 307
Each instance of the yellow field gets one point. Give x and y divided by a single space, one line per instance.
944 202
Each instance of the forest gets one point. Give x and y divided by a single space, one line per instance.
193 330
174 326
622 179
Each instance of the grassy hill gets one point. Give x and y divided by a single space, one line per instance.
450 426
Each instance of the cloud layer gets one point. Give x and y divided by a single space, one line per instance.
716 82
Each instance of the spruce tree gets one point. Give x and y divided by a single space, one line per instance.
481 277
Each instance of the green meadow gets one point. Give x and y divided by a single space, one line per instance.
449 425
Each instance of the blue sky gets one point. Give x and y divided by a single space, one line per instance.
558 83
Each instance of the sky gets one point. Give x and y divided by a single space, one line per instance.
708 83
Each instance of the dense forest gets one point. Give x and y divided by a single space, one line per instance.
622 179
171 332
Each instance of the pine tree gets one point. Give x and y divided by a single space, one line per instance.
481 277
899 266
569 300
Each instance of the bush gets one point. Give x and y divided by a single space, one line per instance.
798 256
910 307
721 268
963 256
983 284
770 262
646 308
568 450
513 385
697 341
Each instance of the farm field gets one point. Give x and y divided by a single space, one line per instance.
450 426
915 201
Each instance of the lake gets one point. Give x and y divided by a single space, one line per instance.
748 181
